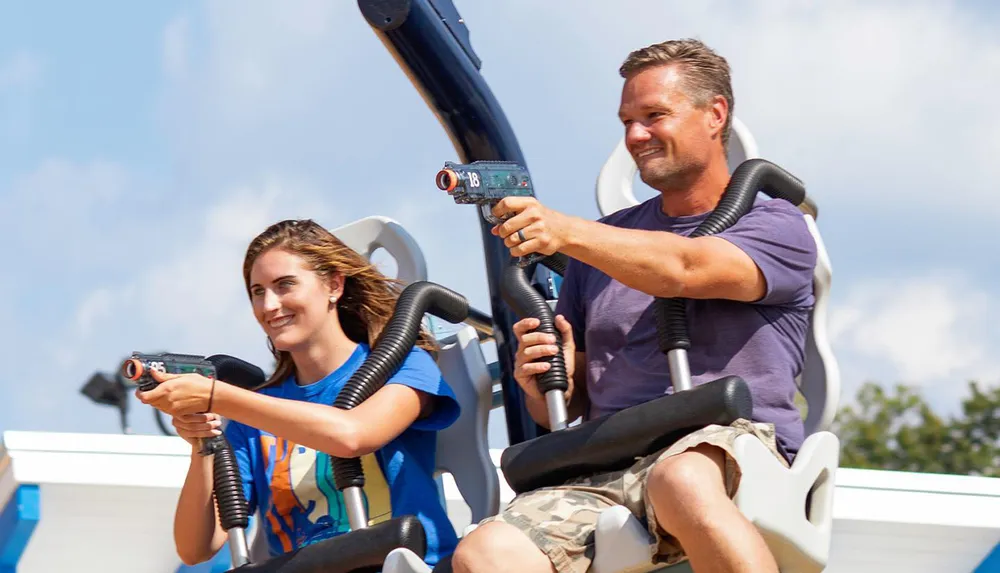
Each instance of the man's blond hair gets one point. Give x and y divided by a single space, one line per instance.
706 73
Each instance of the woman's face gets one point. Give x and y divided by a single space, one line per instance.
290 301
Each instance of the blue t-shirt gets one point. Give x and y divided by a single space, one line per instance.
293 485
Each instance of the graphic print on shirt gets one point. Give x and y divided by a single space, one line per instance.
304 494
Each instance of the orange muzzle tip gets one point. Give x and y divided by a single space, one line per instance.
132 369
447 180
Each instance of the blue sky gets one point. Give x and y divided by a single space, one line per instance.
144 144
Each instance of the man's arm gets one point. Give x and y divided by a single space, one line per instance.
664 264
657 263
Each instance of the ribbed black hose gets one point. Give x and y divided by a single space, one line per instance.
226 480
525 301
391 349
751 176
234 510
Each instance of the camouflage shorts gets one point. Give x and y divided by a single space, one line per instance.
561 520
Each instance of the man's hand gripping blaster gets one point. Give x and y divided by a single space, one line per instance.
485 183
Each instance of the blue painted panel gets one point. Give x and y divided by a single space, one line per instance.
17 522
992 562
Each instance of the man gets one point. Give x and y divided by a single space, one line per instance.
750 289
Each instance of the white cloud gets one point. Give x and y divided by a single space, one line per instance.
69 216
261 63
21 71
192 298
936 331
179 286
871 103
250 104
54 219
316 93
57 181
305 92
95 306
876 95
176 47
858 119
21 76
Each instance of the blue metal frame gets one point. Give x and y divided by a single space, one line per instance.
18 519
431 43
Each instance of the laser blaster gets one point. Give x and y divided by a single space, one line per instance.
139 367
485 183
227 482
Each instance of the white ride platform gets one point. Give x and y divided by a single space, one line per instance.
105 503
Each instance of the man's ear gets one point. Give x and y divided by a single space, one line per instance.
718 112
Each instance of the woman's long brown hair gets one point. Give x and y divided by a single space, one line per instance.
369 297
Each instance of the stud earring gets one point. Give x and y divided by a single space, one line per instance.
333 299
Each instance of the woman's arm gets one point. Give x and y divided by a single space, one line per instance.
197 532
341 433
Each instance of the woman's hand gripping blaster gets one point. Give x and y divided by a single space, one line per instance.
182 386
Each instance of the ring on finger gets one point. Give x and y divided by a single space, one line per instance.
520 236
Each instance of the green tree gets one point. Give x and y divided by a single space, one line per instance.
896 429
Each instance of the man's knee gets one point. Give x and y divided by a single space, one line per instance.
685 488
496 545
481 544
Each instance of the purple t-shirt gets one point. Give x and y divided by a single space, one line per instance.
762 342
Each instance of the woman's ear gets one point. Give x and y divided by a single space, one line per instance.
336 287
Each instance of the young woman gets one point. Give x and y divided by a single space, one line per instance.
322 306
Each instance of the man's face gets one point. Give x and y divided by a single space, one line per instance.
669 138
